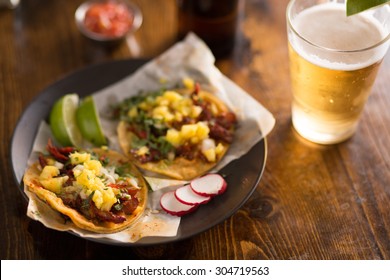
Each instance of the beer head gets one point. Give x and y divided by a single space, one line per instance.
324 35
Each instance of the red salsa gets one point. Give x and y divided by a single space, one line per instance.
111 18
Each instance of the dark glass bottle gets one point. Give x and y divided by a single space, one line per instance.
214 21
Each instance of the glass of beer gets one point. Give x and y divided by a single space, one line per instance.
334 60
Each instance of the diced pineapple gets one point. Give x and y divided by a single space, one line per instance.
210 154
142 151
50 161
104 197
184 109
202 130
97 198
195 140
77 170
93 165
77 158
54 184
195 111
48 172
145 106
162 112
109 198
172 96
219 149
178 117
133 112
188 83
46 178
173 137
158 112
188 131
183 106
85 178
161 101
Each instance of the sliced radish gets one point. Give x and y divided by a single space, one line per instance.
186 195
171 205
209 185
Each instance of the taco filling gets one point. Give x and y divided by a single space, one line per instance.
180 133
99 190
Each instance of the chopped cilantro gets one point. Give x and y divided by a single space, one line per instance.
118 206
122 171
148 131
104 160
138 143
121 109
85 205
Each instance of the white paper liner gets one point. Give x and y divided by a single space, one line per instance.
188 58
154 222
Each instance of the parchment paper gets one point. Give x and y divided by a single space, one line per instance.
188 58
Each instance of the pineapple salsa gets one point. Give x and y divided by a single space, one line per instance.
167 124
89 183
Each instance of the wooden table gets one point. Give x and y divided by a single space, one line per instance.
313 201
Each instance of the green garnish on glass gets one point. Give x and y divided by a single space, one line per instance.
357 6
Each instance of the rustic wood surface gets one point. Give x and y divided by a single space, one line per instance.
313 201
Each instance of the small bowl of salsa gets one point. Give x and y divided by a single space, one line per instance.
109 20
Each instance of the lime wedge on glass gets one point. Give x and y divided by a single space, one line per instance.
357 6
88 122
63 121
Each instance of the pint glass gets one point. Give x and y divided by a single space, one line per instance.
334 60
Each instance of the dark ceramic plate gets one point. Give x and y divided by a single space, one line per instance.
242 175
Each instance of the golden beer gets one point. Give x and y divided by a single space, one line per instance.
331 80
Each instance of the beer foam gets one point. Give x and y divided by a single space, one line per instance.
326 25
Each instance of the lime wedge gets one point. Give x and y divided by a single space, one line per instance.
88 122
357 6
63 121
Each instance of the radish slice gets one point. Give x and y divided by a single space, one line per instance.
209 185
186 195
171 205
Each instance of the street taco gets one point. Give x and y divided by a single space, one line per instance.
98 190
180 133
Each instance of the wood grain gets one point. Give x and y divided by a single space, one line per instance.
313 201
